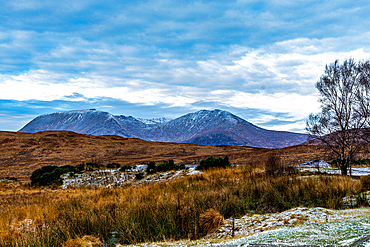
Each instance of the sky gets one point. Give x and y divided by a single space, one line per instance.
259 60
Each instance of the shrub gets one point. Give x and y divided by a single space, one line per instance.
362 200
212 162
39 175
48 175
151 167
165 166
113 165
168 166
365 183
139 175
274 166
81 167
336 163
125 168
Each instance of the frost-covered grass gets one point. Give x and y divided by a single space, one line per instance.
358 171
344 232
343 228
248 225
114 178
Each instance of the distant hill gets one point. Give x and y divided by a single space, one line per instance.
203 127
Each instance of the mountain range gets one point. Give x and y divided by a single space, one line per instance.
204 127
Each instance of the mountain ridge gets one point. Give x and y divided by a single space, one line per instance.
204 127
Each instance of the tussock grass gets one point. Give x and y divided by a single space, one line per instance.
211 221
159 212
85 241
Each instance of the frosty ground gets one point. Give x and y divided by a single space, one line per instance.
298 226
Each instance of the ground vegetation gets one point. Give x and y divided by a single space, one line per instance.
169 210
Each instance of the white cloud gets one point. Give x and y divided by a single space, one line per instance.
278 78
295 104
45 85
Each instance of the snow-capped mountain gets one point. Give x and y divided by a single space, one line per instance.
204 127
155 120
90 122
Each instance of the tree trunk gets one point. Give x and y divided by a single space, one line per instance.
343 169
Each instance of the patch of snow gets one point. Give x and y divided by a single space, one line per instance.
152 121
140 168
342 228
361 171
113 178
315 164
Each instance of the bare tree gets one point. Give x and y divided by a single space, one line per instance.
363 99
340 124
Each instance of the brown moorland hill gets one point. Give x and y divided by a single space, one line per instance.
22 153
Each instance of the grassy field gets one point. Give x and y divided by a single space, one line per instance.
22 153
166 211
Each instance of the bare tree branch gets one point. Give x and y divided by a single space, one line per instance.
343 122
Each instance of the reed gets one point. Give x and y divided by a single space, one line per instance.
166 211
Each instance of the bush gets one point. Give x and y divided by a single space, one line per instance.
165 166
113 165
139 175
81 167
336 163
151 167
168 166
125 168
274 166
48 175
212 162
365 183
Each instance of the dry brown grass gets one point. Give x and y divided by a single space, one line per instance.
85 241
22 153
169 210
211 221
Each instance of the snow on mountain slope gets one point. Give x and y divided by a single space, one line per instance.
90 122
203 127
154 120
218 127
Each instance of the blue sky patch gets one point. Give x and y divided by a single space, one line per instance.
258 59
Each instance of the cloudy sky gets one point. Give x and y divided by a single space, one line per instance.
165 58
